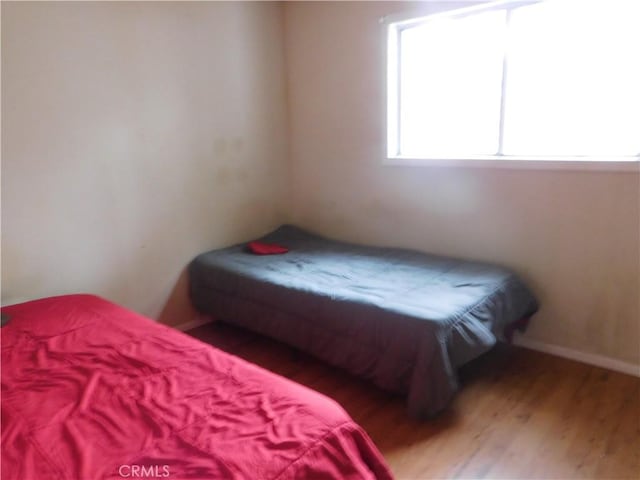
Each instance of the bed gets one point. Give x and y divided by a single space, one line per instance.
93 391
403 319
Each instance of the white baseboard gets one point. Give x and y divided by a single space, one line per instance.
590 358
198 321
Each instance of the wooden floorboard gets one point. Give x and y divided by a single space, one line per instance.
519 415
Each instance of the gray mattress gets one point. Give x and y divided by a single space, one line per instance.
403 319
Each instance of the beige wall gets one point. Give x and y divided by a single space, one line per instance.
574 236
136 135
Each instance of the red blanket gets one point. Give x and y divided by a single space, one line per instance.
93 391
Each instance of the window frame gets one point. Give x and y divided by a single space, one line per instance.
393 25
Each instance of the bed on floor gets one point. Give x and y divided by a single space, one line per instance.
403 319
93 391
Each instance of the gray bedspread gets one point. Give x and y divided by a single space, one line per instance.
402 319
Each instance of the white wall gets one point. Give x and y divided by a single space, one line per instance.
136 135
574 236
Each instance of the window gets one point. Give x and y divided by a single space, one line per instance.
544 79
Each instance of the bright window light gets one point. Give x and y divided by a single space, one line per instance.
555 78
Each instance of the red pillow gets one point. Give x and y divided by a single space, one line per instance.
260 248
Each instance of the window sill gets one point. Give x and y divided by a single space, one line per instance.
606 164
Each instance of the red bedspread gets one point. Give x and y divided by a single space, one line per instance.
91 391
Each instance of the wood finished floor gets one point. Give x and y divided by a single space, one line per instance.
520 414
